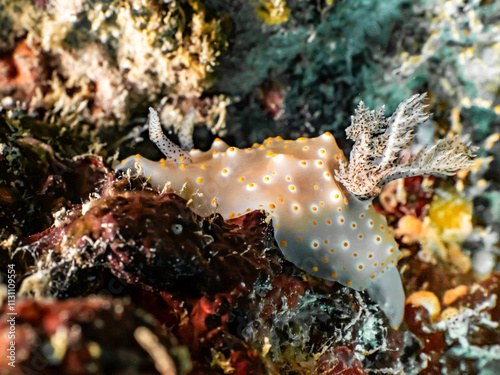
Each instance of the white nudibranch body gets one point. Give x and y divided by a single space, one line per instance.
319 225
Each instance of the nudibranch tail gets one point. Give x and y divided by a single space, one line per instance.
170 149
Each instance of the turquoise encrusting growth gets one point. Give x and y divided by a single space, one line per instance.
319 225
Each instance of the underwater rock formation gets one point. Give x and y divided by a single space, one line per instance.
217 296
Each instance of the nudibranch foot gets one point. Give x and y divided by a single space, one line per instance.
388 292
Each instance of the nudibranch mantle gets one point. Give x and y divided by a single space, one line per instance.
319 225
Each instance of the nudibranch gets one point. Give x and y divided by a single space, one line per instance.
321 207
